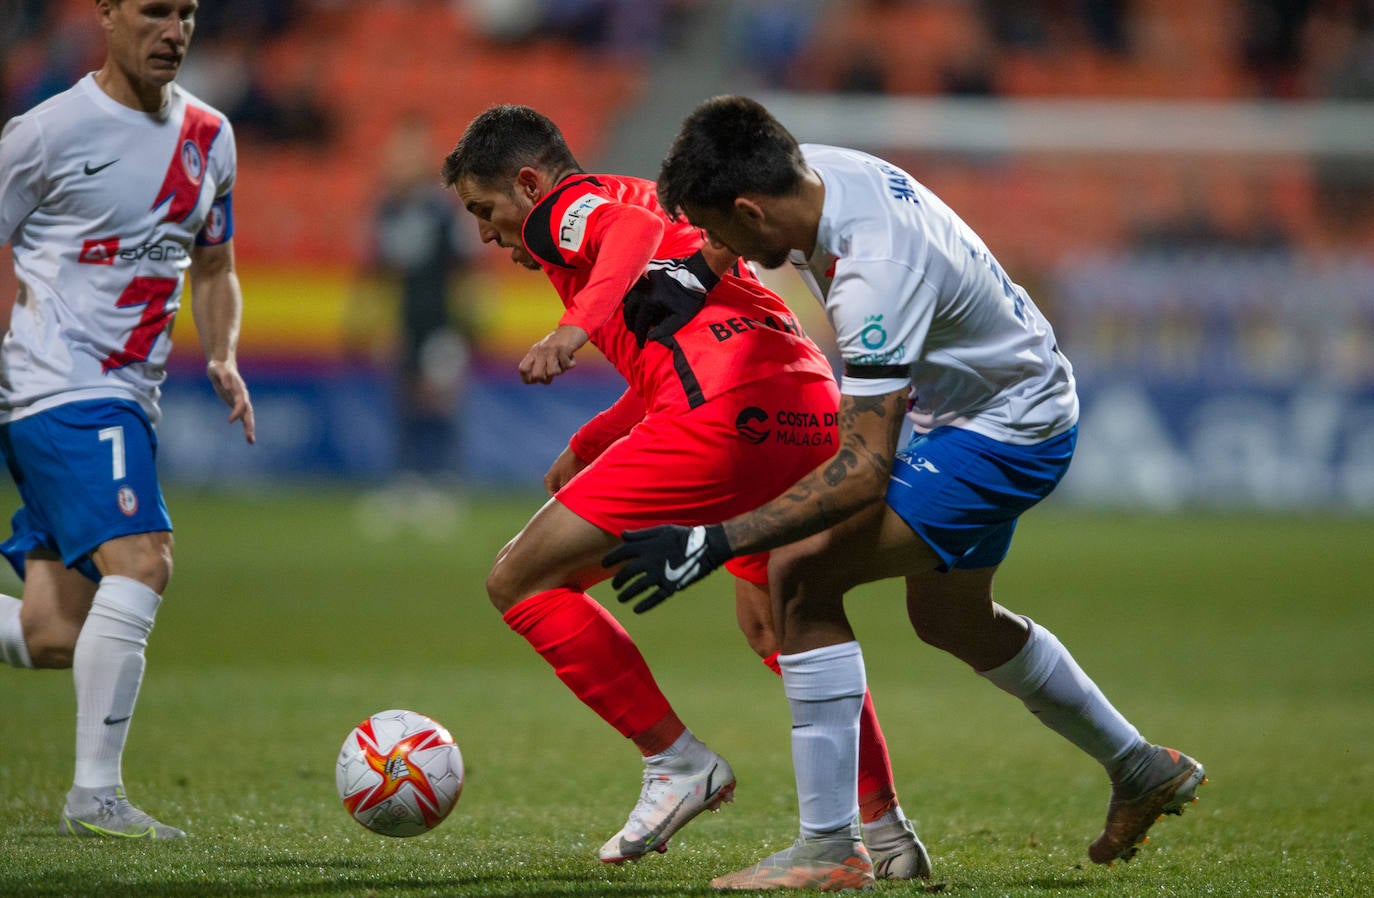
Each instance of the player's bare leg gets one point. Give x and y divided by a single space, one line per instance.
100 631
539 584
823 676
56 602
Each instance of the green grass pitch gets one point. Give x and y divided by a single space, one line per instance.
1246 641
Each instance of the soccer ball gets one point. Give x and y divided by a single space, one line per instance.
399 773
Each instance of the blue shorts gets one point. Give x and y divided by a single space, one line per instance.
962 492
86 474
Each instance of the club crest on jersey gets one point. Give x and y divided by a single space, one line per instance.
573 228
215 223
187 169
99 252
127 500
192 161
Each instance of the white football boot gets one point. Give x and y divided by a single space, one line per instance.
107 812
896 849
673 793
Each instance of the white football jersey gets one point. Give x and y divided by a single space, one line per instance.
102 205
917 301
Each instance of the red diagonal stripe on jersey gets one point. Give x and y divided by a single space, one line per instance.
152 294
186 172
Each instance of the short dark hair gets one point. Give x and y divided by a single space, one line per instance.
504 139
729 146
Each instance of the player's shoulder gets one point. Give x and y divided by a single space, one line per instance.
556 227
202 108
63 110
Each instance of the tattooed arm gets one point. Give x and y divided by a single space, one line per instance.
658 562
853 479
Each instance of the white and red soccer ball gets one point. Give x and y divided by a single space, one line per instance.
399 773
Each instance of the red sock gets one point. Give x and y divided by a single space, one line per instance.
877 791
595 658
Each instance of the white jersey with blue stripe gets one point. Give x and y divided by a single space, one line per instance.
102 205
917 300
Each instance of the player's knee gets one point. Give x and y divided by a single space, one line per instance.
792 573
145 557
782 575
935 627
762 639
153 567
51 644
503 587
930 631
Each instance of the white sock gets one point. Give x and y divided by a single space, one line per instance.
1057 691
107 666
13 650
891 817
686 752
825 688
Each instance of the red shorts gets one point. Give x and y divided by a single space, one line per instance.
723 458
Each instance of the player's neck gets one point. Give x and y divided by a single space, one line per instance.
144 97
566 173
803 215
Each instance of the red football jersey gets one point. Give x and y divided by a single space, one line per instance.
594 236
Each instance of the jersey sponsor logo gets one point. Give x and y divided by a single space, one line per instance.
805 436
127 500
155 251
805 427
106 251
745 423
807 418
731 327
873 335
93 169
572 230
800 427
180 190
99 252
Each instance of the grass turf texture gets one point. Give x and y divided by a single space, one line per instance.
1242 640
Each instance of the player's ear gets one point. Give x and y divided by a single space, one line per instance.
529 183
749 210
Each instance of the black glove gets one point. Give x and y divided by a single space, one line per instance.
665 559
667 296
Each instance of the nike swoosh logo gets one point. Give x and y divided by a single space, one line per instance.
99 168
696 544
111 721
149 833
651 837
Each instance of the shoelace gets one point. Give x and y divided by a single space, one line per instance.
654 785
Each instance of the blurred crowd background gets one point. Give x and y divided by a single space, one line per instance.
1186 188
